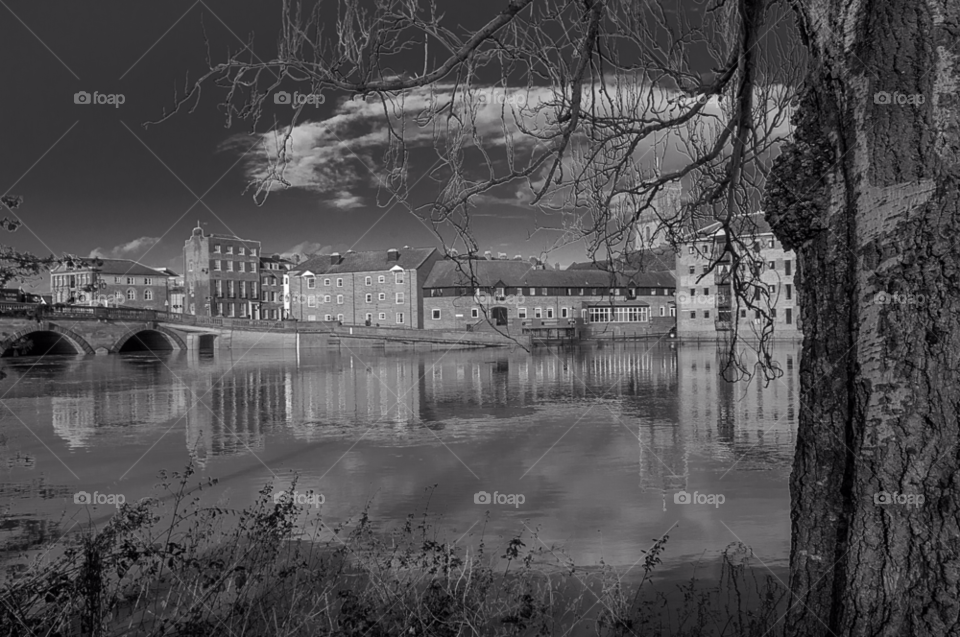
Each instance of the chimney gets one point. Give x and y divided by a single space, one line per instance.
393 254
488 255
335 258
556 266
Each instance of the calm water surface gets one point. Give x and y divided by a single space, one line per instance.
597 441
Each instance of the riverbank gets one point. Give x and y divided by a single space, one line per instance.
178 568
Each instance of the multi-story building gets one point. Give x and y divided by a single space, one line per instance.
175 290
519 295
272 271
110 282
382 288
222 275
707 305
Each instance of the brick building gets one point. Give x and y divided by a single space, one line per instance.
272 271
517 295
222 275
707 305
383 287
110 282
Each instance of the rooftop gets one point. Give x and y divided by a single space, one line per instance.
113 266
661 259
483 273
366 261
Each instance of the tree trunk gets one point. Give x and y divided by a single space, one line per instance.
868 196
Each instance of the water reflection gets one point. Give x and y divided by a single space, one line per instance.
598 439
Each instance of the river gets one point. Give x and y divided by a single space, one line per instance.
591 446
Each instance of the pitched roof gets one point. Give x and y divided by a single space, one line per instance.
112 266
662 259
743 225
366 261
482 273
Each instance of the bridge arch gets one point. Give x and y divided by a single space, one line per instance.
78 342
172 338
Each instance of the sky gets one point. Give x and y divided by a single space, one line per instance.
96 182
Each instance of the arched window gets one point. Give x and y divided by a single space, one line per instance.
148 295
131 294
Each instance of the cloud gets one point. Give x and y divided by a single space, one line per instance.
132 249
306 249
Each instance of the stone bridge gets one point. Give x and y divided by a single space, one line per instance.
88 337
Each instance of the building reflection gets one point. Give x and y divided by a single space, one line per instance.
672 399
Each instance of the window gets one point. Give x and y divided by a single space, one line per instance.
326 281
229 266
339 283
340 317
253 267
522 312
241 251
706 269
191 287
543 291
148 295
369 298
189 266
381 279
218 284
399 317
117 280
599 314
382 296
216 265
475 312
339 299
691 250
399 298
253 252
369 317
549 312
773 312
533 291
241 266
693 315
312 300
193 308
537 312
786 267
398 277
220 309
382 316
673 310
706 314
789 317
311 283
435 315
230 289
129 281
743 314
770 243
772 289
326 298
789 291
131 295
216 248
662 310
772 265
693 293
368 280
230 251
564 312
693 269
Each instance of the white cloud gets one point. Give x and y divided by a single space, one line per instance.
306 249
130 250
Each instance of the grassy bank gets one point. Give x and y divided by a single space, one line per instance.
173 567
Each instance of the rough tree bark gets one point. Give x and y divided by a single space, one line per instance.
867 194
